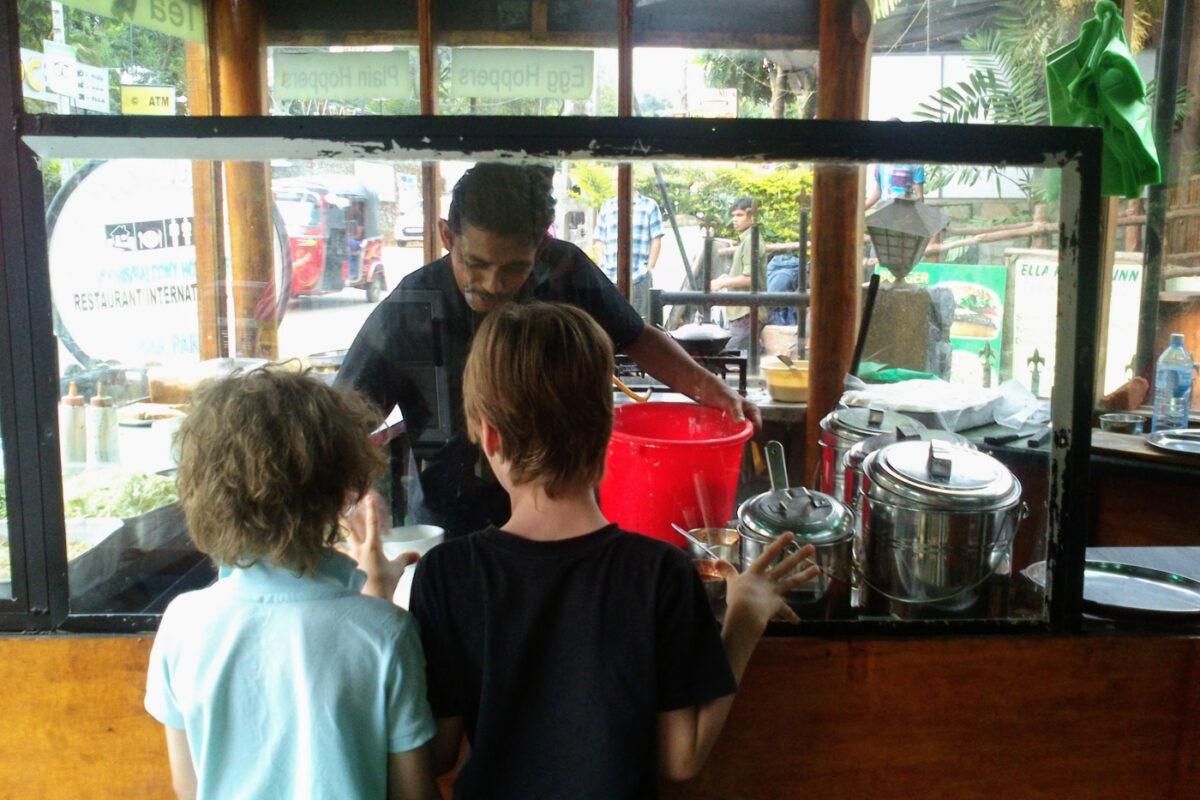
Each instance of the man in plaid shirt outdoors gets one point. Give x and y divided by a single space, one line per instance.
646 234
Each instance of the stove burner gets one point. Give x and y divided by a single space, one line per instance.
724 365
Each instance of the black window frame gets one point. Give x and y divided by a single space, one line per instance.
34 460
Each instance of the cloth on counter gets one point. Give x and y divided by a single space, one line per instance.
1094 81
935 403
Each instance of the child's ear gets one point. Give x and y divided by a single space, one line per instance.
489 438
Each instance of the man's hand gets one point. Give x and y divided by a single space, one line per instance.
363 525
661 356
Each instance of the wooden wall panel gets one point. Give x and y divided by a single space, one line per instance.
72 722
1030 717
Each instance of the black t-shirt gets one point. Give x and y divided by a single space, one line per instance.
391 362
559 656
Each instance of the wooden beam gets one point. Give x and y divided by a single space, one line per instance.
406 36
837 216
237 43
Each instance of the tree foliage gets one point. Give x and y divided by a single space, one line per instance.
707 192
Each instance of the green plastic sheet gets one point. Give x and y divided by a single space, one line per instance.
1093 81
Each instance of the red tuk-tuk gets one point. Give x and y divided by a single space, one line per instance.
333 233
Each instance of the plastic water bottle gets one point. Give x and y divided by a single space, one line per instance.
1172 387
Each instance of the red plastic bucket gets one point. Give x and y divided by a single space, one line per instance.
672 463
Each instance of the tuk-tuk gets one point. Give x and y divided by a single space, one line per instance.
333 232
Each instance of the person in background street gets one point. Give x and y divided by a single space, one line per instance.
737 279
579 659
646 232
499 253
282 679
895 180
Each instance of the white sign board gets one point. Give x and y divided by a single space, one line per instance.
61 76
324 75
91 88
1034 299
123 262
517 72
33 76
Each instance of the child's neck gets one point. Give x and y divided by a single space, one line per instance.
538 517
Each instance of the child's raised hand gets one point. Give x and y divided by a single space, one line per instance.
757 593
362 525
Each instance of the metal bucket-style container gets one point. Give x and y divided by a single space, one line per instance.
817 519
852 476
938 521
843 428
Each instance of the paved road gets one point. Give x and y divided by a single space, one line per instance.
316 324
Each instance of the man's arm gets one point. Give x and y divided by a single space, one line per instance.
183 773
661 356
655 248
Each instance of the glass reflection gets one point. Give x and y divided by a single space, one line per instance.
957 343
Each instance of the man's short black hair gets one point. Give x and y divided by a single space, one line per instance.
744 204
507 199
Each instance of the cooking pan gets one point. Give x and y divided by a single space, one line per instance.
701 338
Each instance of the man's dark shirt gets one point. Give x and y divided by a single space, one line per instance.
391 362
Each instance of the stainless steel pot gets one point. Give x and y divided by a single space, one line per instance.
843 428
814 518
938 520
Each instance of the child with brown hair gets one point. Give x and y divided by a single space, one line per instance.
282 679
582 661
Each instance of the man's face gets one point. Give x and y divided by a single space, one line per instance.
490 268
741 219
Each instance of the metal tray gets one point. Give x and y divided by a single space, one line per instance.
1112 589
1179 440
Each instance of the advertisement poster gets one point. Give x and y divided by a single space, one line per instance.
123 262
977 331
1035 317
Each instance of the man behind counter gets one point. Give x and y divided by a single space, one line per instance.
499 252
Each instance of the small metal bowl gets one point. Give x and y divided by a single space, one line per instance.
714 584
1122 423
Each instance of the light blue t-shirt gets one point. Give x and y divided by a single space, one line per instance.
290 686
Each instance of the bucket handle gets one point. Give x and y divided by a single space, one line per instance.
1021 513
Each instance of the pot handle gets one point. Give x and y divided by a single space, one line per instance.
776 466
1019 515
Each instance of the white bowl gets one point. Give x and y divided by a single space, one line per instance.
410 539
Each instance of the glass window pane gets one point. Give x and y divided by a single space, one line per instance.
143 248
303 17
94 57
6 590
527 81
343 81
677 82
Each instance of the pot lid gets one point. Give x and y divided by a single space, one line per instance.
903 433
814 517
856 424
941 475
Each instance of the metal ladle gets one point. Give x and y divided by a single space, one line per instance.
687 535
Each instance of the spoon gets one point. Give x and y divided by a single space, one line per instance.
636 397
696 542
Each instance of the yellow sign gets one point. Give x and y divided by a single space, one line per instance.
182 18
158 100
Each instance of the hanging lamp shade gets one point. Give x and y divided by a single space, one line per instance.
900 231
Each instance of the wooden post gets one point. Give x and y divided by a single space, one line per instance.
237 42
430 174
837 215
207 215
